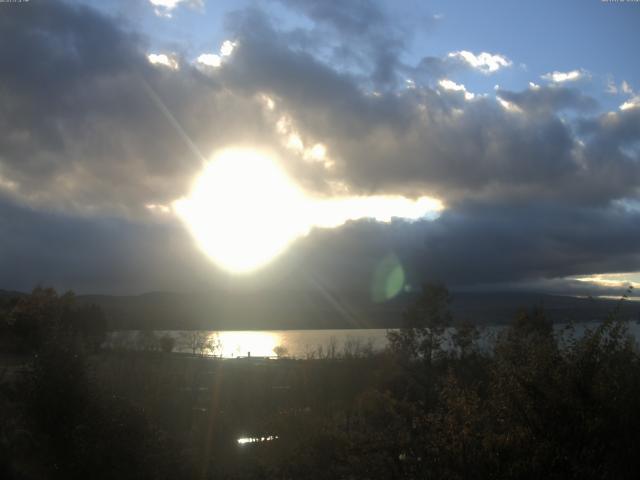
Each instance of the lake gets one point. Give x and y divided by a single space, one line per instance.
256 343
297 343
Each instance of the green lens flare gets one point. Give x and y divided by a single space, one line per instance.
388 279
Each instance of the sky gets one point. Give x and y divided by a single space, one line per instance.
514 126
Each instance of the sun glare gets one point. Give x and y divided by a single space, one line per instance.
243 210
247 343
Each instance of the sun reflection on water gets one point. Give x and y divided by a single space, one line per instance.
245 440
248 343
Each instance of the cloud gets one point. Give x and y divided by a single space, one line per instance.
561 77
432 67
363 37
95 254
619 281
611 133
549 99
483 244
214 60
226 48
614 89
531 192
473 246
450 85
164 60
484 62
633 102
165 8
209 60
119 134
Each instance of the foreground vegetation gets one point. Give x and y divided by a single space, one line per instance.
533 405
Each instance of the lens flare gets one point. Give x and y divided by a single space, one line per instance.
388 279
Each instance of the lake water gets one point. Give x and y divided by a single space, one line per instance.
298 343
242 343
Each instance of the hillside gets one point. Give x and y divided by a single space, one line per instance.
278 309
319 310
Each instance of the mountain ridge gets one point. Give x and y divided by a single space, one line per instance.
323 309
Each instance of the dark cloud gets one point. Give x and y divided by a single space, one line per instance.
60 47
318 96
613 130
423 140
361 31
549 99
90 132
434 68
476 245
95 254
82 117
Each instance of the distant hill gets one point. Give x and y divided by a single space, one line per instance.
4 294
282 309
321 309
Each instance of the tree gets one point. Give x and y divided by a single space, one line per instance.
70 425
146 340
281 351
167 343
36 316
464 336
424 324
201 342
44 312
90 323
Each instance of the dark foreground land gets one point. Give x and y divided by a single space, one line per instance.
532 406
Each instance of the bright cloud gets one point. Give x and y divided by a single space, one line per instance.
318 152
215 59
560 77
484 62
633 102
157 207
267 101
336 212
227 48
164 8
209 60
509 106
616 280
450 85
163 60
292 140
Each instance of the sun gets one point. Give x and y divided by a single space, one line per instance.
243 210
